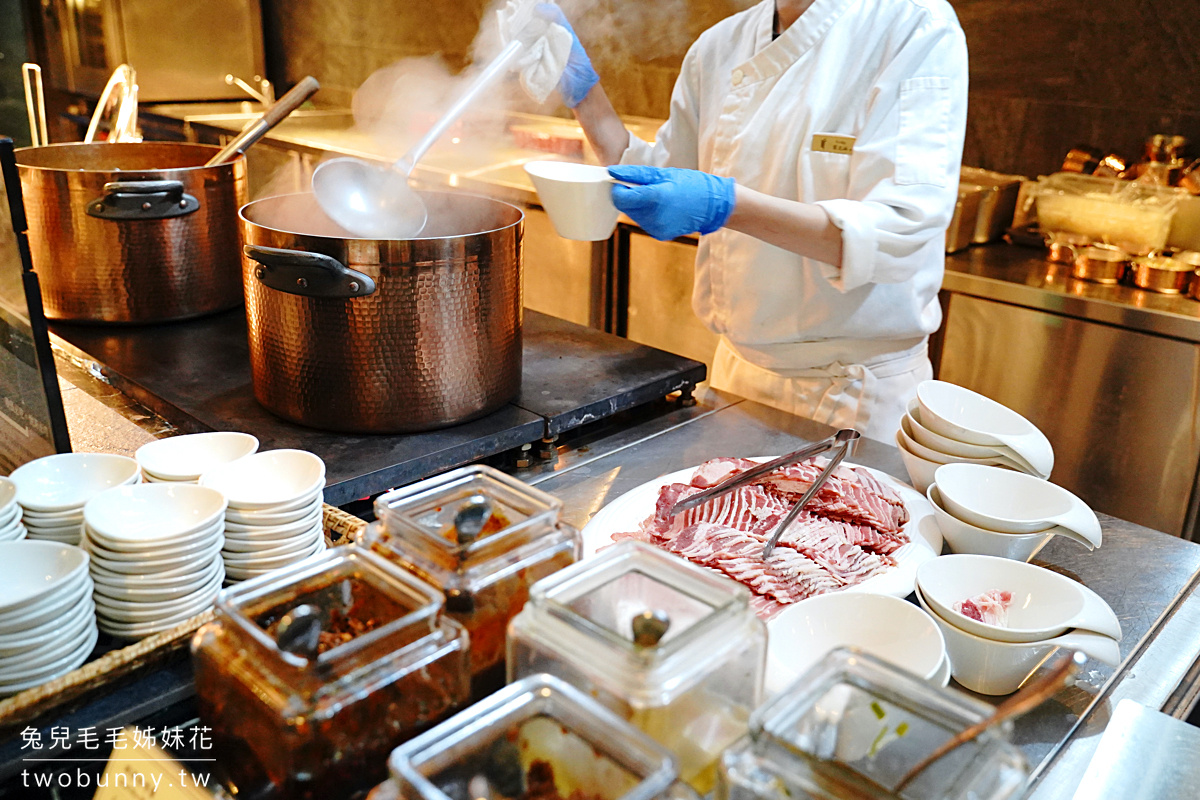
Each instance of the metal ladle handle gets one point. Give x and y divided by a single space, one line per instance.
35 103
495 69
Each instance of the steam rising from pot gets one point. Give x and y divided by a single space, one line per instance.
398 103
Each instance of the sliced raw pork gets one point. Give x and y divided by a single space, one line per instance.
990 608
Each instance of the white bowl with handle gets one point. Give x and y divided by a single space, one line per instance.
1044 603
959 413
930 454
997 668
911 422
963 537
576 197
920 470
1012 502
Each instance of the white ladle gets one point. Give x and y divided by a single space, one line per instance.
376 202
1044 603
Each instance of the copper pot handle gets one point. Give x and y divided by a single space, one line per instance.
307 274
142 200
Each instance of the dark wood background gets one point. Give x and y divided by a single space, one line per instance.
1045 74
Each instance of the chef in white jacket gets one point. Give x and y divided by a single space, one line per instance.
815 146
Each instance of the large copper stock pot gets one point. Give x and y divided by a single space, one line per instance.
374 336
133 232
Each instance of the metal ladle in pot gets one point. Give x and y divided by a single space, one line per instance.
376 202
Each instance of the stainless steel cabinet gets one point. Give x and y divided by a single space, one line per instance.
1122 408
559 273
659 308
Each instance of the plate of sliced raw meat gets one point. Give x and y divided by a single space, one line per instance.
862 532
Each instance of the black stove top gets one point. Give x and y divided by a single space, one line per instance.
196 375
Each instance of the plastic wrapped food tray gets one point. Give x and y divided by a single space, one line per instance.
1133 216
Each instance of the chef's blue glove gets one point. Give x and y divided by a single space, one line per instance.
578 77
668 203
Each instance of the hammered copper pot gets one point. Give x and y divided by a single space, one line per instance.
133 232
383 336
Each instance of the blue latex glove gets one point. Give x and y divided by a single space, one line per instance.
668 203
578 77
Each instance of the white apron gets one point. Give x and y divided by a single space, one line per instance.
870 398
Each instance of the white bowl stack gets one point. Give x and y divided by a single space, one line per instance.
997 512
275 515
155 555
11 528
1046 612
53 490
948 424
47 619
183 459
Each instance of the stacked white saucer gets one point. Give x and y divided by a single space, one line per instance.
156 555
47 619
275 515
183 459
53 490
11 528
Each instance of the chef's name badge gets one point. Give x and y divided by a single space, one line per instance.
832 143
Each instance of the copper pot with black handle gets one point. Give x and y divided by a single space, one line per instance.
133 232
383 335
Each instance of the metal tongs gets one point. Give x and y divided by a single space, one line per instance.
843 439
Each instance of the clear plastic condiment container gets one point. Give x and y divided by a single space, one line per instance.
321 723
485 576
599 625
536 738
851 728
1133 216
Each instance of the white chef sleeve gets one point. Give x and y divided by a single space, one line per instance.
904 170
677 143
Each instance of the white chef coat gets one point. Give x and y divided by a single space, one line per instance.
892 74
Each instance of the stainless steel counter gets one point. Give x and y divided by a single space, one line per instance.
1022 276
1149 578
1096 367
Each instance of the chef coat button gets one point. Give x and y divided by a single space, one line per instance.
737 77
